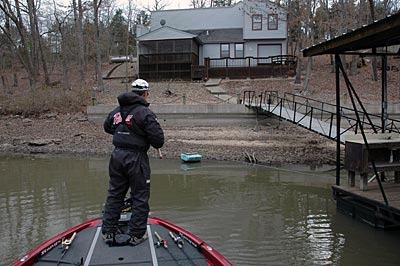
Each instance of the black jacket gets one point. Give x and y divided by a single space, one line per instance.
140 129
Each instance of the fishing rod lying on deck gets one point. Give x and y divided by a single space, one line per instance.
161 242
177 239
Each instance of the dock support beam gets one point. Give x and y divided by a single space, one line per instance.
384 94
337 58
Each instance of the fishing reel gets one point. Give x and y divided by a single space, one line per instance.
127 207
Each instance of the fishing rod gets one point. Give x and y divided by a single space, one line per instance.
177 239
67 243
159 153
161 242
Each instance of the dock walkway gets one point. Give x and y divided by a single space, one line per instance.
313 124
317 116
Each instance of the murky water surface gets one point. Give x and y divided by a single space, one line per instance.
252 215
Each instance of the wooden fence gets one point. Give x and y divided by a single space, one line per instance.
249 67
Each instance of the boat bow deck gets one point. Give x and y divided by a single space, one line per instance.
88 248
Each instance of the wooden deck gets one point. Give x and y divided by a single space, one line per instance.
369 205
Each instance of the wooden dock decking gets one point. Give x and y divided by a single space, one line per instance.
369 205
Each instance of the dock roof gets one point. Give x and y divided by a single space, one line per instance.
382 33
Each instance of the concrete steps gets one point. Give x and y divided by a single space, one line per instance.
212 85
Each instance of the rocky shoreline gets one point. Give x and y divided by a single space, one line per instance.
274 142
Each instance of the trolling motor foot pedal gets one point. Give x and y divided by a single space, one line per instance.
121 240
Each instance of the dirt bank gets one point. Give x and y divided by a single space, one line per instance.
273 142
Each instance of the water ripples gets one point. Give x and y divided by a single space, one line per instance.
247 213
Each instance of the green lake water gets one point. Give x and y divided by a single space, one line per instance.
253 215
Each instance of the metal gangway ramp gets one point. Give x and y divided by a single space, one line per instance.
314 115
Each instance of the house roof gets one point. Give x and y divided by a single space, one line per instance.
165 33
219 35
199 18
382 33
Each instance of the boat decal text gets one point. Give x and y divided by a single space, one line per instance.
44 251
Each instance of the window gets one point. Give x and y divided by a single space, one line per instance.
225 50
272 21
239 52
256 22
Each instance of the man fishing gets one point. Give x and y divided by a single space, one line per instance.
134 128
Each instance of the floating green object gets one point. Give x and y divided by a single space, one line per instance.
191 157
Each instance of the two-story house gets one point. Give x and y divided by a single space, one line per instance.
213 42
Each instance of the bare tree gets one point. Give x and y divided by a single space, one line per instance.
106 15
78 17
96 7
42 53
22 41
34 38
200 3
142 17
128 28
157 5
60 20
296 36
222 3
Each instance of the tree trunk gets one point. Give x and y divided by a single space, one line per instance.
353 65
4 83
66 79
63 55
15 78
96 5
78 14
308 74
373 59
33 37
24 54
130 12
297 79
42 57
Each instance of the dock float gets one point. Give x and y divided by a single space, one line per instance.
369 206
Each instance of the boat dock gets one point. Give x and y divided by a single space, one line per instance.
365 201
369 206
375 156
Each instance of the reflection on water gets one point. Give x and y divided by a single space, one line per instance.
252 215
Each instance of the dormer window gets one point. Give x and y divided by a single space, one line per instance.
272 21
256 22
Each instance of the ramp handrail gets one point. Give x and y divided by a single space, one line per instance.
302 106
346 113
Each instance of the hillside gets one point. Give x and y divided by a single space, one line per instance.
63 128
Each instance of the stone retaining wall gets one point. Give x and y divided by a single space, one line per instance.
188 115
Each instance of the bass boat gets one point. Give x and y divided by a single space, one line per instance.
167 244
